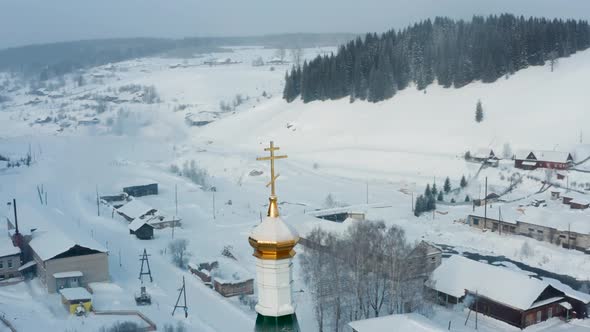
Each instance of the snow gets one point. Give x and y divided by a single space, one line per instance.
566 305
48 244
76 293
457 274
563 219
552 156
405 322
274 230
390 149
135 209
136 224
67 274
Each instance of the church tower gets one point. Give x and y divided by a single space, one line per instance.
273 242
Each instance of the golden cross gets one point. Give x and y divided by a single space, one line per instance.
272 159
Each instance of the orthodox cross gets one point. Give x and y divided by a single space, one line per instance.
272 159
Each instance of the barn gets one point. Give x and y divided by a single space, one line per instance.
142 190
497 292
141 229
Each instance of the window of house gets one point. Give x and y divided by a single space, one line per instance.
539 316
475 221
562 236
549 312
540 231
10 275
531 230
9 262
1 264
1 276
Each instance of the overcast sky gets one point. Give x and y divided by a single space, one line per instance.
38 21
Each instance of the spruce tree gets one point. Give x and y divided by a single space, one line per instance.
440 196
467 199
434 191
427 191
463 182
447 185
478 112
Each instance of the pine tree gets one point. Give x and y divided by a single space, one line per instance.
440 196
431 203
427 191
420 206
434 190
467 199
463 182
478 112
447 185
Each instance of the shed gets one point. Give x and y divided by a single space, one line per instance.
142 229
74 297
142 190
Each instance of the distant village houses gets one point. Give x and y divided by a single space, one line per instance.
543 159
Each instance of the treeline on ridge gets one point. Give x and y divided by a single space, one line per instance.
454 53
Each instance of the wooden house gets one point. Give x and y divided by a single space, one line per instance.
73 298
203 270
10 258
142 190
136 209
230 288
485 156
543 159
141 229
519 300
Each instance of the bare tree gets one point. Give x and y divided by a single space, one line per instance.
296 55
178 251
281 53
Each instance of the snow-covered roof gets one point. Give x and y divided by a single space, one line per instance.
68 274
274 230
568 291
552 156
507 214
6 247
482 153
457 274
76 293
406 322
49 244
522 154
137 223
135 209
562 218
27 265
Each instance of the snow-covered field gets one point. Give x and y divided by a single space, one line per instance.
382 153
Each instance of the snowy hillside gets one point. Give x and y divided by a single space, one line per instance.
381 153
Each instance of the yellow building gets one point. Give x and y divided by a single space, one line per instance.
73 297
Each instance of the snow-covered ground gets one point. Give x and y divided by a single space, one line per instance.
384 153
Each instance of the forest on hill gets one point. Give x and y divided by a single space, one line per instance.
452 53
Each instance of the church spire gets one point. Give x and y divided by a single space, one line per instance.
273 208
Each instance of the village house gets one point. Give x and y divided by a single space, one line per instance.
135 209
76 299
575 200
543 159
485 156
116 201
423 260
10 258
566 228
227 278
520 300
141 229
64 263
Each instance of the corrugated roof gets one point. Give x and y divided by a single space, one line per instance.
135 209
52 243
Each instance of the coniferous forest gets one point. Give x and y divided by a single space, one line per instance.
454 53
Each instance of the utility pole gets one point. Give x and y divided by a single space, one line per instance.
182 292
485 213
176 197
213 204
367 191
476 307
144 259
97 203
412 201
500 220
568 236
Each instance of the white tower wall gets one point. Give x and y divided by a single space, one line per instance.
273 278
